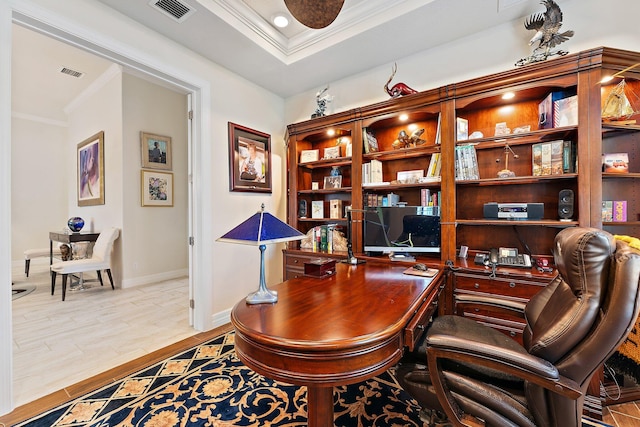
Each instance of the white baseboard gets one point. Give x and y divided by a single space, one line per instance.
221 318
153 278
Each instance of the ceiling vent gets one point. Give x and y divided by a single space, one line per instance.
70 72
177 10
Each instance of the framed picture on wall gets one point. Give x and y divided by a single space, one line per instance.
156 151
156 188
90 162
249 159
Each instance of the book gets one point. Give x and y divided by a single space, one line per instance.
369 141
546 108
462 129
607 211
323 238
375 172
335 208
565 111
536 159
615 163
619 211
317 209
438 131
557 151
569 157
546 158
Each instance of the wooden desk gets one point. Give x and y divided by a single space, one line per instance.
335 331
55 236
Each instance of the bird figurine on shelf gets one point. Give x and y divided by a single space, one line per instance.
406 141
548 35
399 89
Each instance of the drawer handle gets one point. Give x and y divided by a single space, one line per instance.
476 285
295 261
512 285
421 327
513 334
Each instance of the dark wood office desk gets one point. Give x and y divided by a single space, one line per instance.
61 237
335 331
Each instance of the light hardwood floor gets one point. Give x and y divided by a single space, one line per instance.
58 343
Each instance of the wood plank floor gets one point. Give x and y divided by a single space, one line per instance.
63 350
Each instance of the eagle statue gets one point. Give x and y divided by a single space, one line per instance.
547 27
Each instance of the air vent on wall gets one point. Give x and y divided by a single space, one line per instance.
177 10
70 72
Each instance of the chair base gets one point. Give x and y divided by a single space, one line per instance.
65 277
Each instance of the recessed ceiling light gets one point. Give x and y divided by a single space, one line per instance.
280 21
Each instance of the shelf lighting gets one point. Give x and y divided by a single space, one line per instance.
607 79
508 95
331 132
403 117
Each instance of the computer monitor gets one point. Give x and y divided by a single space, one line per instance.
404 229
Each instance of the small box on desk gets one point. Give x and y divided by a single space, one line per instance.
320 268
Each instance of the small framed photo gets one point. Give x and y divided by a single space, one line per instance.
156 151
502 129
332 152
156 188
315 185
332 182
90 164
410 177
309 156
249 159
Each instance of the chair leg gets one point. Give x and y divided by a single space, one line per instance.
53 282
27 262
110 278
100 278
64 285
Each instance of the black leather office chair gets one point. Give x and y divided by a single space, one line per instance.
479 376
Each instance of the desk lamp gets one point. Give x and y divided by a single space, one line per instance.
262 229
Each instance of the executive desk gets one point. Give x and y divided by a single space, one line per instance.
335 331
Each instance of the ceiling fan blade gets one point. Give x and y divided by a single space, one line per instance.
314 13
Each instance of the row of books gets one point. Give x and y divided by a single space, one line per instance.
435 165
553 158
614 211
466 163
322 239
430 198
372 172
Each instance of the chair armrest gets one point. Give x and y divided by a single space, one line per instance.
521 365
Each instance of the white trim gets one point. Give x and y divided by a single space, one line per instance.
154 278
221 318
39 119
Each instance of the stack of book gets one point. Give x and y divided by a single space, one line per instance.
372 173
553 158
466 163
322 239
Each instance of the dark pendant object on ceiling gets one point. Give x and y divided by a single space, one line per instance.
314 13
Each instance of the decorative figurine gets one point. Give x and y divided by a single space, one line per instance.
406 141
547 27
399 89
506 173
322 100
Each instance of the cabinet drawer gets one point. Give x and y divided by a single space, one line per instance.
418 323
510 287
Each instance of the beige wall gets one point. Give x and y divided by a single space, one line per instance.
154 238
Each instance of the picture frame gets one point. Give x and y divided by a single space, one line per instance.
90 170
331 182
156 151
156 188
307 156
332 152
249 159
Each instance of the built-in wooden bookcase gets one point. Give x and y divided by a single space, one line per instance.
480 103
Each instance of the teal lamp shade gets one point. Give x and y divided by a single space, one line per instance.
262 229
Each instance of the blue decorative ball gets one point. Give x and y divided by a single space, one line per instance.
75 224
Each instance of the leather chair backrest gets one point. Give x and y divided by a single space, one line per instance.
104 244
578 320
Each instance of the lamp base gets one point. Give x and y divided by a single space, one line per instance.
262 297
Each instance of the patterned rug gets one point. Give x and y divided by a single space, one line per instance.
208 386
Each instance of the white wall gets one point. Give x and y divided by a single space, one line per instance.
494 50
39 158
100 110
154 238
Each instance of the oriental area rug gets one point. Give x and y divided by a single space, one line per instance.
208 386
